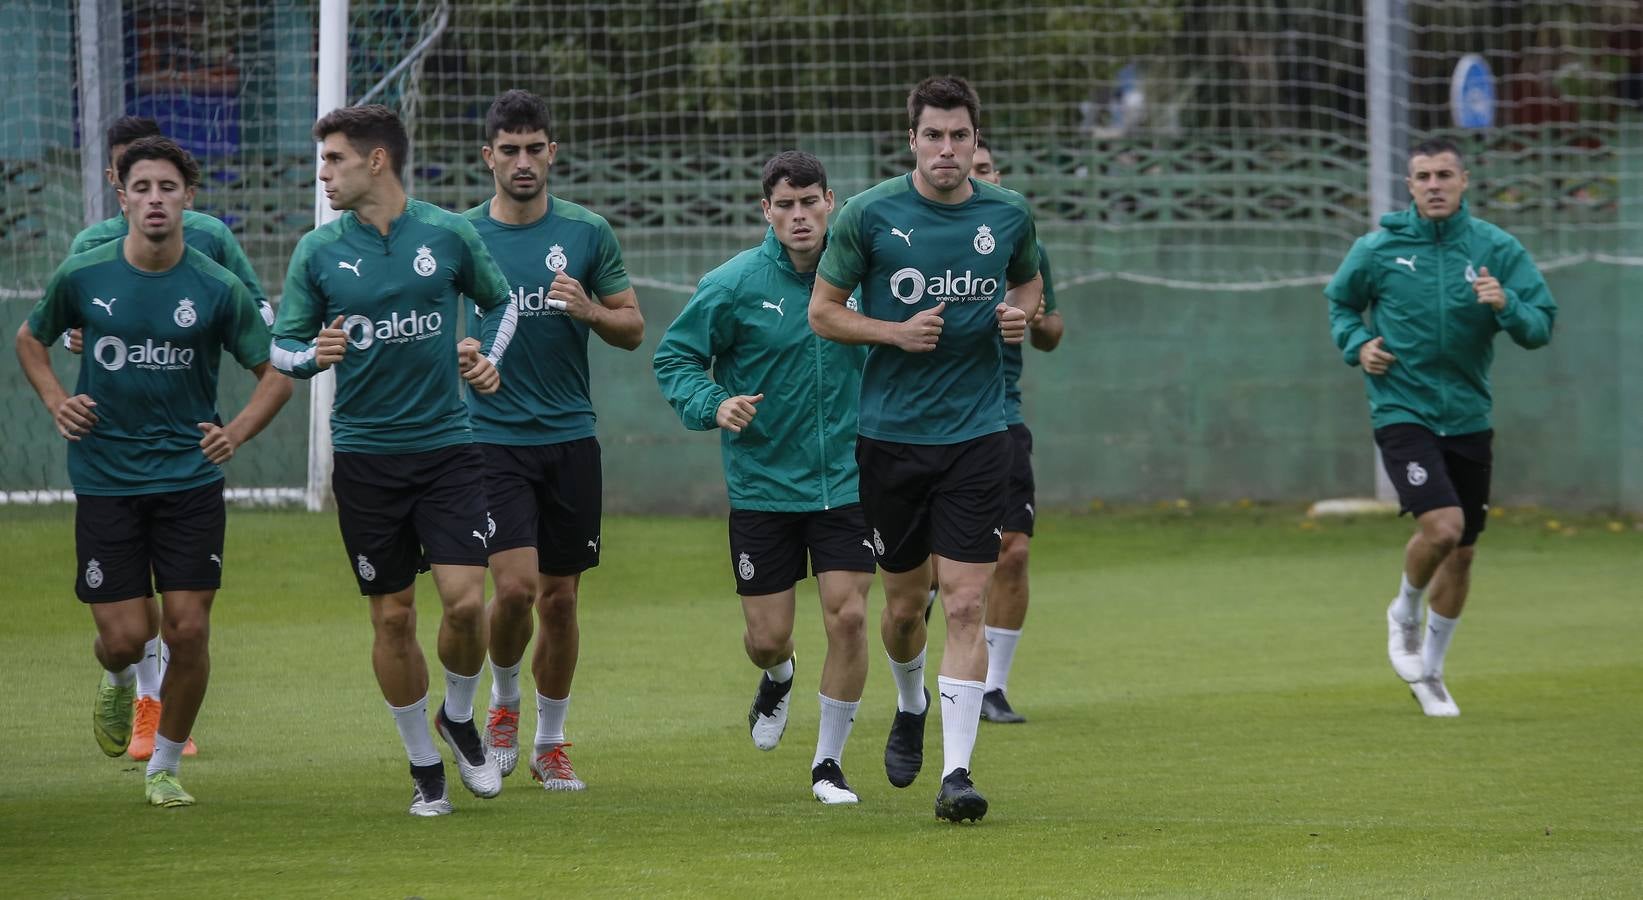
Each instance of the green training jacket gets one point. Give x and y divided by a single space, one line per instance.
749 323
1414 277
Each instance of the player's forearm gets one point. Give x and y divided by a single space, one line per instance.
294 357
269 396
35 360
621 326
496 331
1026 296
832 321
1046 335
682 375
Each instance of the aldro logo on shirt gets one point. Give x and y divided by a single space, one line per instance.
114 354
396 329
531 303
910 285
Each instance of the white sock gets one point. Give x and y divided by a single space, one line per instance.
1439 630
1406 607
960 715
124 677
909 677
412 722
459 696
168 754
836 718
1000 656
149 677
782 671
550 722
505 684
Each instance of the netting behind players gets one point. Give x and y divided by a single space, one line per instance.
1200 145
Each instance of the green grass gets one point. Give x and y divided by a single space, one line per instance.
1211 714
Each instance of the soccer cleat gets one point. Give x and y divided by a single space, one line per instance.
111 716
502 737
1403 646
1434 697
143 729
478 770
164 791
959 799
828 784
767 717
552 770
904 751
429 797
994 708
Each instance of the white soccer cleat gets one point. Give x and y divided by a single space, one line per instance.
551 768
1403 646
829 786
1434 697
480 774
502 737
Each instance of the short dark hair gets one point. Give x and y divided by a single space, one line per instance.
799 168
981 144
943 92
1435 146
518 111
367 128
160 147
129 128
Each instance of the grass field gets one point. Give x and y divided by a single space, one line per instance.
1211 714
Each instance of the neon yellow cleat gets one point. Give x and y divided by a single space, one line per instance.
164 791
111 716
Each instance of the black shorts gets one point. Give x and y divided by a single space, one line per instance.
1018 498
767 549
402 512
942 498
547 496
135 545
1432 472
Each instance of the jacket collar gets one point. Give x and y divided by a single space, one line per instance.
773 249
1410 223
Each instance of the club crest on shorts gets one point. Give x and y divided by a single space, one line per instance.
490 526
185 315
984 242
744 568
366 570
1415 474
94 574
556 258
878 543
424 264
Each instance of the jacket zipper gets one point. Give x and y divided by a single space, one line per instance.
1443 331
821 424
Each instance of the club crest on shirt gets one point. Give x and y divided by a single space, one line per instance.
744 568
424 264
185 315
556 258
984 242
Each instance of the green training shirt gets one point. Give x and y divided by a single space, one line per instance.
545 396
1012 352
153 341
204 233
398 383
909 253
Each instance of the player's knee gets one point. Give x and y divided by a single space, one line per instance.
186 633
765 643
904 618
846 623
394 622
963 612
514 594
123 647
557 607
1461 558
1443 532
1012 555
465 613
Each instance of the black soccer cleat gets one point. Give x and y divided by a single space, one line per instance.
994 708
959 799
904 751
429 797
828 785
767 717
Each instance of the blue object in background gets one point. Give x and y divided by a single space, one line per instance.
206 125
1472 93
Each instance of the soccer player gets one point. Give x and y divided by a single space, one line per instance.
1437 284
146 445
210 236
372 294
948 270
785 402
1007 596
536 432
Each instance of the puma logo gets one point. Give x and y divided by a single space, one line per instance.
951 698
999 532
353 267
486 544
777 306
868 544
594 545
906 236
216 559
108 306
1410 262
